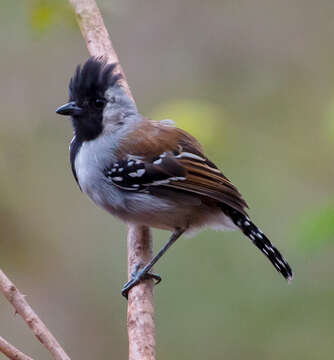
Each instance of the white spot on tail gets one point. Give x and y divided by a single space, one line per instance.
281 263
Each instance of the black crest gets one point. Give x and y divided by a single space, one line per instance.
92 79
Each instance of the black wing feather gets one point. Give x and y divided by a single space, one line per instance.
137 175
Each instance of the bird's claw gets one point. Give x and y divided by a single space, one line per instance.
136 277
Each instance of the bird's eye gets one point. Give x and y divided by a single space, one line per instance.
97 103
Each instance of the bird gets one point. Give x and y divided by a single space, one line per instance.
149 172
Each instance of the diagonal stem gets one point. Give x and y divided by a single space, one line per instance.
21 306
11 351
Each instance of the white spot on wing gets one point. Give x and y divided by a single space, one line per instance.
157 162
135 157
141 172
117 178
214 169
168 122
138 173
176 178
160 182
190 156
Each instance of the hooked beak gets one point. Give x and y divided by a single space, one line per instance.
70 108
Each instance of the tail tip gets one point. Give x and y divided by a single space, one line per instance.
290 278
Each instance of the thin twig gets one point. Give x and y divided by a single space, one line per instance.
140 303
11 352
21 306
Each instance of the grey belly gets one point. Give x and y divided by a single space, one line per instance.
163 208
168 210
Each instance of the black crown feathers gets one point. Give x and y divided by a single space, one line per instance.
92 79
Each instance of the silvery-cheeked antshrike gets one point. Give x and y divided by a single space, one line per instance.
149 172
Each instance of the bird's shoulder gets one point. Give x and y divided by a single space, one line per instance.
150 138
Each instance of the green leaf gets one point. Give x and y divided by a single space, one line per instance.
45 14
41 16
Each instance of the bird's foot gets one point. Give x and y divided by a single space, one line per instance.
136 277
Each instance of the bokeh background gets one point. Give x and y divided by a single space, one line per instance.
254 81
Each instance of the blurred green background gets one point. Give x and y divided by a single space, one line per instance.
254 80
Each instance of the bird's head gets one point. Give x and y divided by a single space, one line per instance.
96 99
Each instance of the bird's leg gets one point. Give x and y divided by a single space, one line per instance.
138 275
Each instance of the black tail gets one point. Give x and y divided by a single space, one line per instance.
259 240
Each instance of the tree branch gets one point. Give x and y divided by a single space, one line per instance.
11 352
96 36
21 306
141 329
